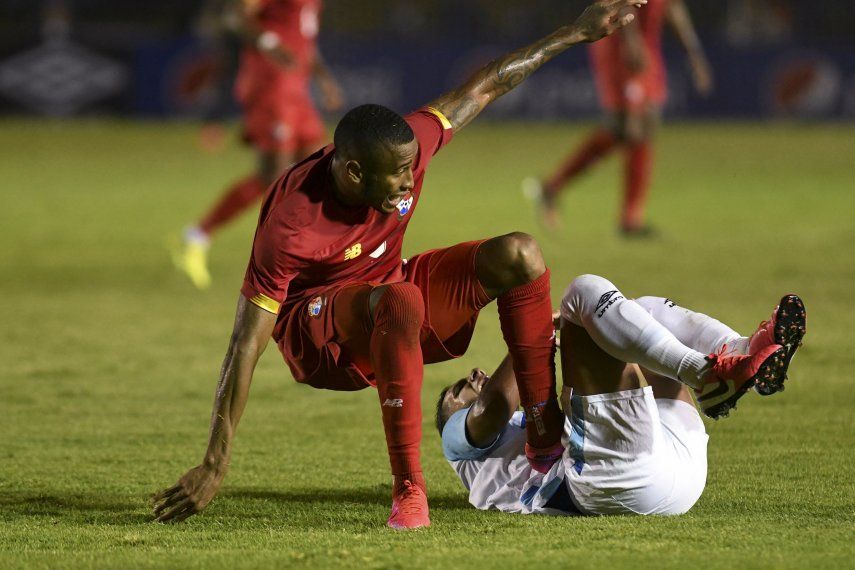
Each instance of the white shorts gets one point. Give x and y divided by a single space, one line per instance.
629 453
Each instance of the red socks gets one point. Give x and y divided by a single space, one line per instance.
236 199
396 357
595 147
525 315
638 165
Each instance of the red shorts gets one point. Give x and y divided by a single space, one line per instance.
326 343
282 124
622 90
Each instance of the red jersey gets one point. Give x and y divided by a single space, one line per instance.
619 86
296 23
307 241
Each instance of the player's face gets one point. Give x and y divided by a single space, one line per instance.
465 391
392 179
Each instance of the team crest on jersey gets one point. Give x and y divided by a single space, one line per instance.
315 306
404 206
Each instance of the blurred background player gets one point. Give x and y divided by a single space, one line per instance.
280 122
630 74
632 449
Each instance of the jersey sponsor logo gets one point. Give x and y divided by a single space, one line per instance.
353 252
315 306
394 403
404 206
607 299
378 252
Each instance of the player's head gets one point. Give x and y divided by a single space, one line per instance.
459 395
377 148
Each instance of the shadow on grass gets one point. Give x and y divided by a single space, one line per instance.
76 507
369 496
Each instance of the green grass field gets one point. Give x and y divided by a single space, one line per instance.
110 358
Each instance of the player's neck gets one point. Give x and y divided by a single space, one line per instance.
343 191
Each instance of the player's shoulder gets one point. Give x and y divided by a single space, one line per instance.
457 447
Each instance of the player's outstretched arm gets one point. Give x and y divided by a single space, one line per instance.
497 402
192 493
501 75
681 22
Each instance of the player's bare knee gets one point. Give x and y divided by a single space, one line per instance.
398 306
522 256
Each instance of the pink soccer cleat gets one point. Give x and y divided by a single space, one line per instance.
732 375
785 327
409 508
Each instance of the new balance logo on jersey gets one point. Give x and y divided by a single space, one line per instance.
607 299
353 252
393 403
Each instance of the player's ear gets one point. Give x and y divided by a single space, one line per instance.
354 171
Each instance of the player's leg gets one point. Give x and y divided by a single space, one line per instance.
696 330
638 130
596 146
512 270
622 458
624 329
457 282
378 329
786 327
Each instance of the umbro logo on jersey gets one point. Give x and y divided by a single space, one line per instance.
607 299
353 252
393 403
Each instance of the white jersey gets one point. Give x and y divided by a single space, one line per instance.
626 453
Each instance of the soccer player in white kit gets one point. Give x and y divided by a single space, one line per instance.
630 448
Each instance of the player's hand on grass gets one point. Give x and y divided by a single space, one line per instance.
603 18
190 495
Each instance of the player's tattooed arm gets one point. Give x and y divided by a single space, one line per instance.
497 402
681 22
498 77
196 488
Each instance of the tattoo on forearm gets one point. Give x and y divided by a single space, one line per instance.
500 76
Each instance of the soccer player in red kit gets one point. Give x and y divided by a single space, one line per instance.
629 69
280 121
327 280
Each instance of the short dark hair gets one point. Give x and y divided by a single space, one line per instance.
440 418
364 128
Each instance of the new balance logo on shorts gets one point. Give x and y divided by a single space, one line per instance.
607 299
393 403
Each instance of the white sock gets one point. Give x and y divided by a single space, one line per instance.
697 330
626 331
195 235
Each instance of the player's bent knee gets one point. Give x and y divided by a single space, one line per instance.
522 254
399 307
582 297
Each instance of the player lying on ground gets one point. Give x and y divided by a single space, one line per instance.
327 280
631 449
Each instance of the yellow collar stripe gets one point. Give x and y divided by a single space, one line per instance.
266 303
446 124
